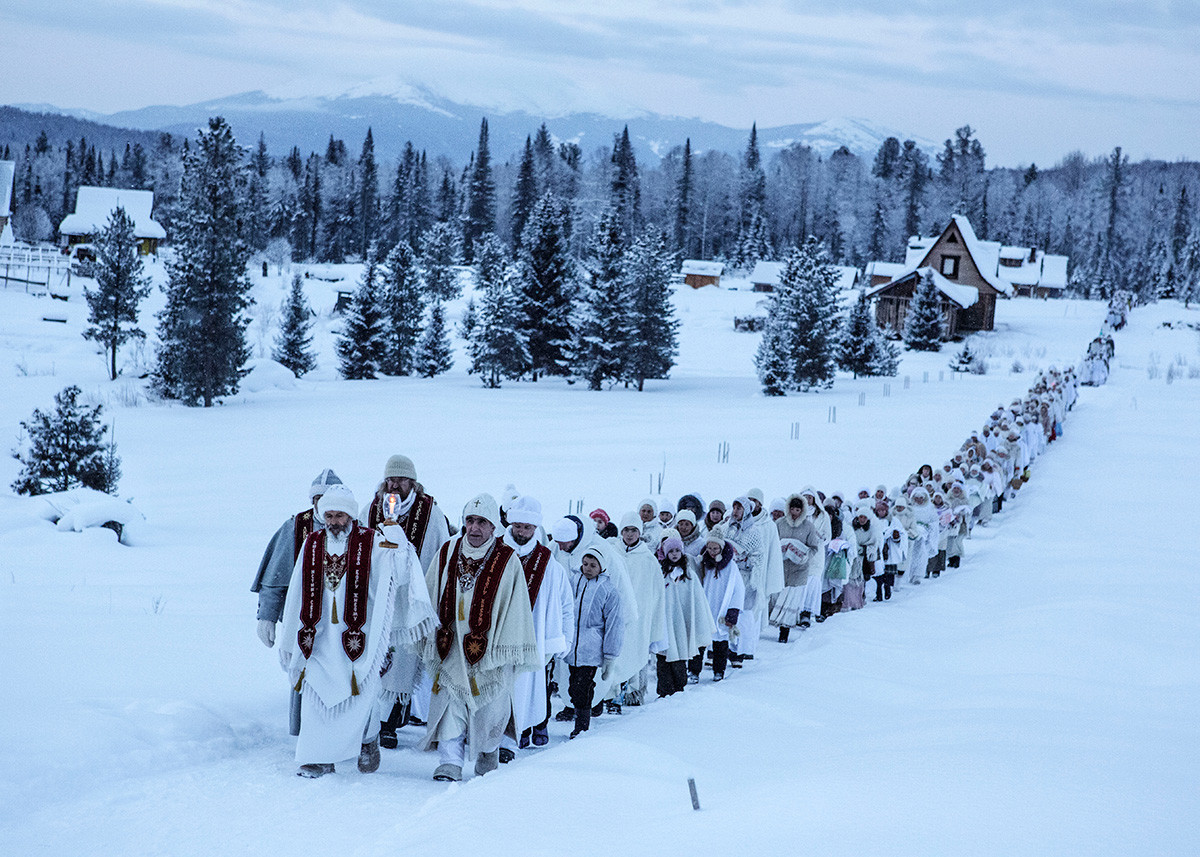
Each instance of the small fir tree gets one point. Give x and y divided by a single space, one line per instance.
120 286
67 449
403 306
965 360
293 347
815 312
469 320
548 288
434 355
860 339
361 347
923 324
772 359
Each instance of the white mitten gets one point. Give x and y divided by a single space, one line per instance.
606 670
394 533
266 632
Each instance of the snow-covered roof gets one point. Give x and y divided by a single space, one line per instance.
916 250
8 169
702 268
847 274
1007 252
962 295
94 205
886 269
985 253
1054 271
766 273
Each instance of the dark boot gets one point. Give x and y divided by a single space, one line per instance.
784 630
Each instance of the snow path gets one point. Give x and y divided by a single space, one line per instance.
1039 701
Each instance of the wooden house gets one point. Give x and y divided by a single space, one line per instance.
892 300
94 206
697 273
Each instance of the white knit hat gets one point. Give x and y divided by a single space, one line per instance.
337 498
401 467
525 510
324 479
757 494
483 506
631 519
716 534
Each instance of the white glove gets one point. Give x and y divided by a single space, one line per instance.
266 632
606 670
394 533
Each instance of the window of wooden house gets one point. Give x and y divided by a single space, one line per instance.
950 267
951 238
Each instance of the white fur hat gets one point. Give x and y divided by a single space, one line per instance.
483 506
324 479
631 519
337 498
564 530
525 510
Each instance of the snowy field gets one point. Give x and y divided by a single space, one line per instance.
1041 700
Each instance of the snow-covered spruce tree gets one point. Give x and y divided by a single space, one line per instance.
403 307
548 286
653 343
497 346
813 286
202 328
603 326
361 348
293 346
857 353
434 355
964 360
439 255
772 360
67 449
923 323
120 286
754 242
480 216
469 320
887 357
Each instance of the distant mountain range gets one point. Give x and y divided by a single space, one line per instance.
441 127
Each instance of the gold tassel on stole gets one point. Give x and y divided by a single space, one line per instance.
353 684
333 619
299 682
461 615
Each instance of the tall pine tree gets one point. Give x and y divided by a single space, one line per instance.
403 307
653 344
548 288
202 328
924 327
361 347
497 347
439 254
481 197
603 326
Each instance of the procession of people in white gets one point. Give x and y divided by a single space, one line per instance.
392 615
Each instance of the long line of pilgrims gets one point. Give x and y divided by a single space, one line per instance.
639 607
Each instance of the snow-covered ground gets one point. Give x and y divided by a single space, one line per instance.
1041 700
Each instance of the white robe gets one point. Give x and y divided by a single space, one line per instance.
334 721
689 623
553 629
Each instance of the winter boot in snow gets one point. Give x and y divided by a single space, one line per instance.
311 772
805 619
506 755
540 736
368 757
448 773
784 630
567 715
610 706
487 762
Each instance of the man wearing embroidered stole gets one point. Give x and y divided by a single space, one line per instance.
355 601
426 529
485 637
275 570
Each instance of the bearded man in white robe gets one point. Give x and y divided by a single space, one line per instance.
485 637
355 599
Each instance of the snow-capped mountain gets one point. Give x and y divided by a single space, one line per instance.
441 127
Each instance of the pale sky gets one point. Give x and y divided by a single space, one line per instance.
1035 78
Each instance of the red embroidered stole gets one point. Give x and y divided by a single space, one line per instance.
304 528
534 565
483 598
358 576
415 524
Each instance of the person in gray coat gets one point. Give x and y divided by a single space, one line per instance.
275 570
599 632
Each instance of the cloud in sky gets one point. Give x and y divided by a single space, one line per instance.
1036 79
